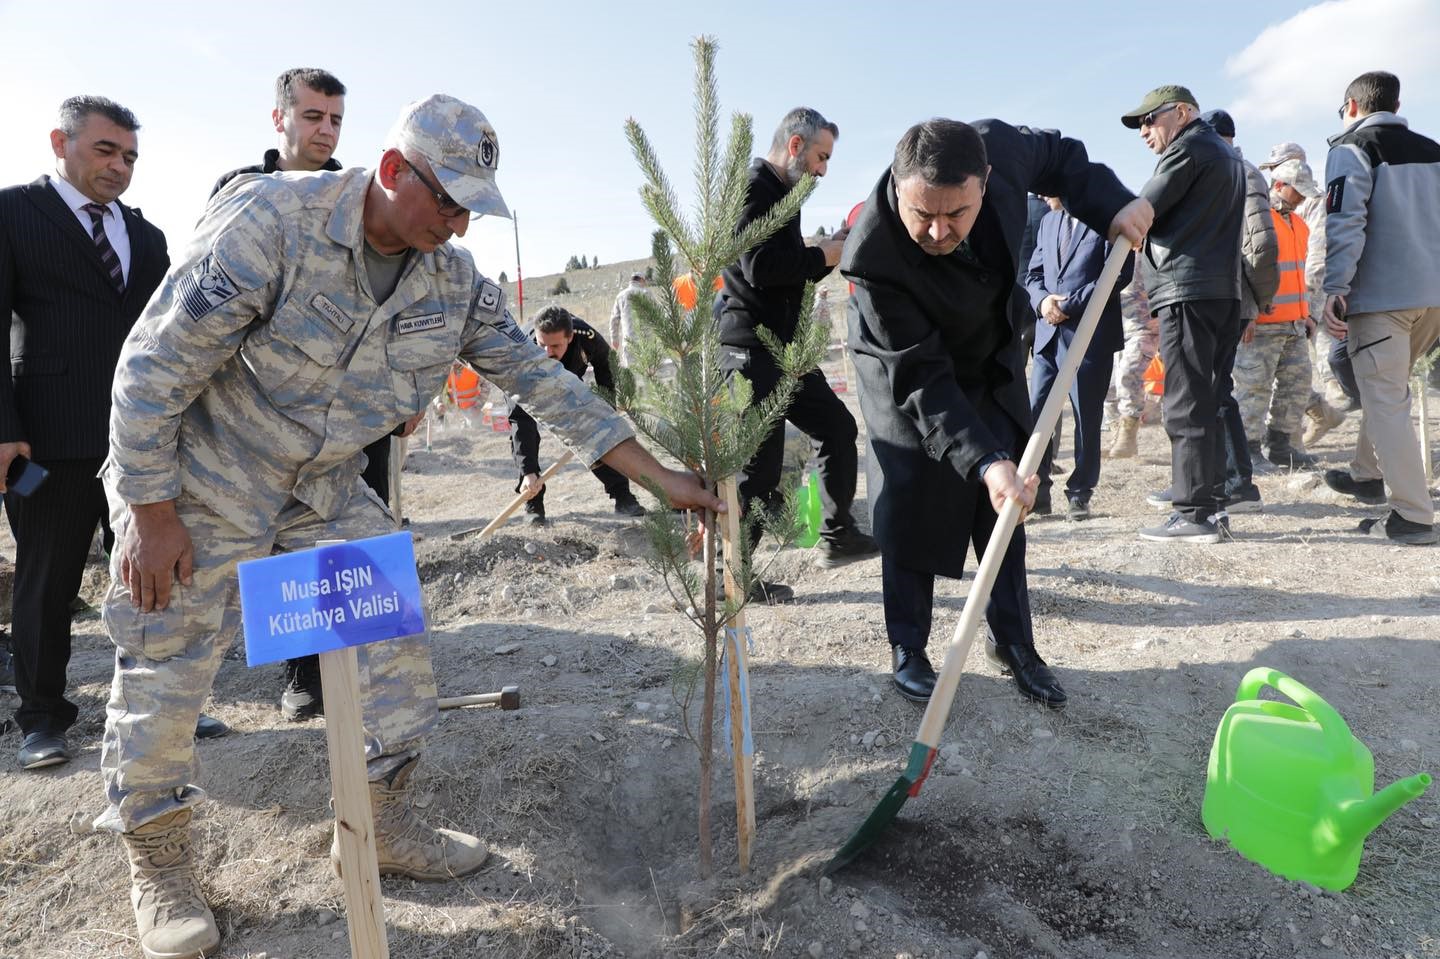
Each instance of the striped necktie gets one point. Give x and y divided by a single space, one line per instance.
108 256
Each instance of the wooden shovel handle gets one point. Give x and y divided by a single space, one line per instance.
520 498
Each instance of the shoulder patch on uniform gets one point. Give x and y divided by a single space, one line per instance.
206 287
1334 195
508 326
489 298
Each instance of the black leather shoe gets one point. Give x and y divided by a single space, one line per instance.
1078 509
847 546
772 594
1037 683
42 749
914 676
1366 491
629 507
208 727
304 697
1042 502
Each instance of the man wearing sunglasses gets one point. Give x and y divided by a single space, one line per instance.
307 316
1192 263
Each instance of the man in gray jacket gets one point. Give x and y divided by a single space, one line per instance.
1192 262
1382 205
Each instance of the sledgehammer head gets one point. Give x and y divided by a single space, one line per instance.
510 697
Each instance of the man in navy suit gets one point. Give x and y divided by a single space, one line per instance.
1066 263
76 269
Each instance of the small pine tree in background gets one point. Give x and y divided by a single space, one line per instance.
584 264
560 287
503 277
681 400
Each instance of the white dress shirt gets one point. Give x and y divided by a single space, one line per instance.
114 221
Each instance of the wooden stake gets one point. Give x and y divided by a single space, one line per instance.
397 463
1421 390
350 788
738 669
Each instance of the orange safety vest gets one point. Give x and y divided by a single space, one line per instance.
685 291
464 386
1291 301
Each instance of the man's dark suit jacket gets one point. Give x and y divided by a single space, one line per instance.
1069 271
66 321
938 371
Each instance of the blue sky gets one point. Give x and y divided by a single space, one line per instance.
559 79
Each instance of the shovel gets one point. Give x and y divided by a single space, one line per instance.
927 740
515 503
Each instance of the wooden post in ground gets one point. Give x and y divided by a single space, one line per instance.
397 463
737 668
350 789
1422 391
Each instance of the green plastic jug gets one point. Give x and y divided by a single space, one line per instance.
808 511
1291 789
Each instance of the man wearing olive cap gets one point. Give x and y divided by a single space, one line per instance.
308 315
1192 263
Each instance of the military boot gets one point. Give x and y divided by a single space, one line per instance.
1283 453
1320 418
407 845
1125 445
170 910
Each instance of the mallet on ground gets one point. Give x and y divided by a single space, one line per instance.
507 698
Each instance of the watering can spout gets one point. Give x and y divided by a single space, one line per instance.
1356 819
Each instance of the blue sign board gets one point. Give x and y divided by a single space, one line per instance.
330 597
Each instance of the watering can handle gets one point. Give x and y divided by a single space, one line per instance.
1332 724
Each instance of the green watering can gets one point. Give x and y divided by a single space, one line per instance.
1291 789
808 511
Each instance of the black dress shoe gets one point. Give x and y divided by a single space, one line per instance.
1042 502
772 594
1036 681
914 676
629 507
42 749
845 547
208 727
1366 491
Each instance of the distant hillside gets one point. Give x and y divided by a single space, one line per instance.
592 294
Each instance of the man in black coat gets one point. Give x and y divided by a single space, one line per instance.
764 289
934 257
576 345
1192 267
76 268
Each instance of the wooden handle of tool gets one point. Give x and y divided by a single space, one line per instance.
459 702
520 498
944 695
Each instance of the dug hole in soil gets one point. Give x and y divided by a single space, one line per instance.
1070 833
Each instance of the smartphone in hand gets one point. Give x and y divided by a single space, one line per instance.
24 477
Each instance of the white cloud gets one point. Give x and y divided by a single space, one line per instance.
1301 66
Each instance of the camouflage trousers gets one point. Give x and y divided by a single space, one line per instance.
1272 375
166 660
1142 342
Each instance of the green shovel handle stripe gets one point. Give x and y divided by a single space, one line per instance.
922 757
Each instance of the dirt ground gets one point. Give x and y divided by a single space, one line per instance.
1070 833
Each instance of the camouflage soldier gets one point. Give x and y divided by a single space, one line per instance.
1142 342
622 317
308 315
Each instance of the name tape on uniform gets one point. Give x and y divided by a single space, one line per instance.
418 324
316 600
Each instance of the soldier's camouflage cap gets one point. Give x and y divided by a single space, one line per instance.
461 146
1281 152
1296 173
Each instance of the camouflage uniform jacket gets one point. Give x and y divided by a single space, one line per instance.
263 364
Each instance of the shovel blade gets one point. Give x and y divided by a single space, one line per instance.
880 818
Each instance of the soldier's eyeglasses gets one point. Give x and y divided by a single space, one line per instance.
448 207
1148 120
